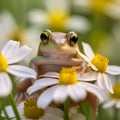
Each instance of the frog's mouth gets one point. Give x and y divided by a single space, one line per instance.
56 53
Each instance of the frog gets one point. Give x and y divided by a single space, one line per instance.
56 50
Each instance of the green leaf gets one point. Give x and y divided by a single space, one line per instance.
86 109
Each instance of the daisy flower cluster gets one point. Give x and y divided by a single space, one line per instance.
72 85
55 95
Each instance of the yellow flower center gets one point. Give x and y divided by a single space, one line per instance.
116 89
3 63
31 110
67 76
99 5
100 62
57 19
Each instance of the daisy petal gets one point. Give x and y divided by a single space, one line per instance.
60 94
22 71
20 54
55 111
78 23
118 104
5 85
83 56
109 103
9 111
113 70
46 97
20 108
37 17
50 74
108 82
92 89
40 84
100 81
89 76
9 48
88 50
87 60
49 116
76 92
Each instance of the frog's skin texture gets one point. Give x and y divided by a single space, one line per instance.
56 50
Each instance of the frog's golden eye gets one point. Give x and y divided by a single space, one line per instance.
73 38
44 37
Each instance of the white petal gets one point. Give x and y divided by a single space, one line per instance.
118 104
22 71
49 116
89 76
20 108
88 60
78 23
60 94
114 70
83 56
37 17
46 97
108 83
109 103
52 110
50 74
9 111
20 54
101 81
9 48
63 5
76 92
40 84
88 50
77 116
5 85
93 89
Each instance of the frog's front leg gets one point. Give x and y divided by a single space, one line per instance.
22 86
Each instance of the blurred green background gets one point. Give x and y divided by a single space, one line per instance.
97 22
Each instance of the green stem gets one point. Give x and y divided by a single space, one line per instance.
14 107
4 110
66 109
116 114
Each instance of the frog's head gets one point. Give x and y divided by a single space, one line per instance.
57 44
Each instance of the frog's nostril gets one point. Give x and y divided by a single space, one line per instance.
60 41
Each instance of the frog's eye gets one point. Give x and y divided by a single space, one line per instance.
73 38
44 37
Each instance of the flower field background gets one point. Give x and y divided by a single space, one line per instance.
97 22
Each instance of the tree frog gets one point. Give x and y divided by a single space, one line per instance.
56 50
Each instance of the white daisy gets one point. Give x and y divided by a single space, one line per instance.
57 17
64 85
9 29
29 110
108 7
113 99
99 64
10 55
